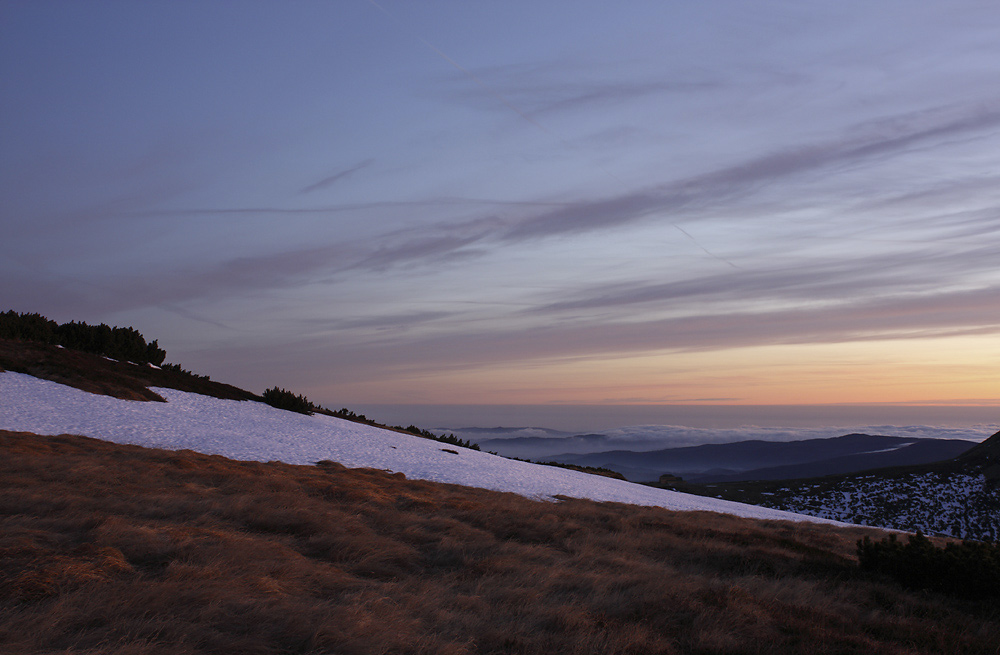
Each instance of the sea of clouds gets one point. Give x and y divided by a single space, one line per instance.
540 442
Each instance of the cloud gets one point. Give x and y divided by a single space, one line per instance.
863 143
935 315
850 278
336 177
404 354
560 86
493 225
392 322
540 97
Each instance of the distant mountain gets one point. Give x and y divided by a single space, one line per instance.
958 497
756 459
922 451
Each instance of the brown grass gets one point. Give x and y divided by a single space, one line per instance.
120 549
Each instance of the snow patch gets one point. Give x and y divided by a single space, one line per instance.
250 430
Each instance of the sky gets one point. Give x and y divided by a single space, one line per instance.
517 203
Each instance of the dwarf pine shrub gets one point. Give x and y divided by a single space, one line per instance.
444 438
122 343
970 569
283 399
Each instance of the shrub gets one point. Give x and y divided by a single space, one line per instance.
444 438
27 327
348 415
125 344
283 399
970 569
176 368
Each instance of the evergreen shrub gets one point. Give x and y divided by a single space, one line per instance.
125 344
283 399
970 569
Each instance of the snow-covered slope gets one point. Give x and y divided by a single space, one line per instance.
255 431
960 504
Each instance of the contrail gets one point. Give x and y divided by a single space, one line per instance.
507 103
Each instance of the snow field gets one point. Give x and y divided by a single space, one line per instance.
254 431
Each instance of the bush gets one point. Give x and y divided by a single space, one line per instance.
125 344
176 368
27 327
283 399
970 569
348 415
444 438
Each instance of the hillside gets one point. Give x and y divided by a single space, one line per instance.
985 456
124 550
251 430
959 497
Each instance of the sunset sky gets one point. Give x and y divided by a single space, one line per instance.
517 202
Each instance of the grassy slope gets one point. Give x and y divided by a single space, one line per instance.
120 549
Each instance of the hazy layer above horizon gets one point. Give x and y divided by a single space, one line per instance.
578 419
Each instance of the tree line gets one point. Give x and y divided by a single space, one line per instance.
121 343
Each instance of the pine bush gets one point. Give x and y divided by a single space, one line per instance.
284 399
970 569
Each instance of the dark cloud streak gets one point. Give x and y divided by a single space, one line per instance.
336 177
934 315
819 281
677 200
877 139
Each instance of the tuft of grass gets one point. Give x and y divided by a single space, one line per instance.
119 549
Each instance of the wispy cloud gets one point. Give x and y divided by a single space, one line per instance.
336 177
542 90
491 225
391 322
938 315
863 143
916 271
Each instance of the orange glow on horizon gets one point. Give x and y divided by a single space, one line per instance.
940 371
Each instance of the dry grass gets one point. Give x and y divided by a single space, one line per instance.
120 549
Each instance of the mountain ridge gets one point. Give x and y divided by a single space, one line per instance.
742 459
